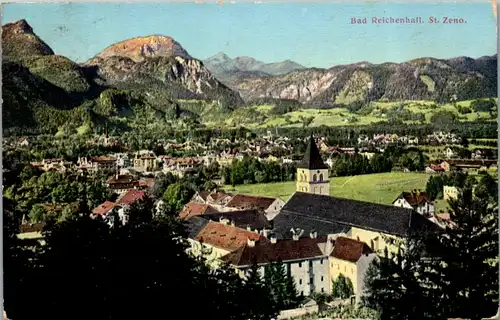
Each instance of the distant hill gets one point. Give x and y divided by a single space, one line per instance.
420 79
148 73
222 66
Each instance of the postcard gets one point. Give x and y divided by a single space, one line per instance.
273 160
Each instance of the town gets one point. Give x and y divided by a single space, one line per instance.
319 247
314 169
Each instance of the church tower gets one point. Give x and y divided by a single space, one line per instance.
312 172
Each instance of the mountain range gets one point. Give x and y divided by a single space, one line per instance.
155 79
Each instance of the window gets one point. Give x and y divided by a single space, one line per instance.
357 238
300 281
321 261
315 177
322 290
345 268
300 264
352 270
321 177
310 263
321 278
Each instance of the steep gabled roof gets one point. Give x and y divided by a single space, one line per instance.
225 237
312 159
337 212
415 198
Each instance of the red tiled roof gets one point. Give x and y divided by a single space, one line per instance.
104 208
247 201
130 197
415 198
225 236
349 249
192 209
284 250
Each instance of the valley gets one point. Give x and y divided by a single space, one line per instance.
153 83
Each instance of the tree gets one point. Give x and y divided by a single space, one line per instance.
342 287
255 289
470 258
137 264
161 184
283 290
177 195
397 285
37 214
487 188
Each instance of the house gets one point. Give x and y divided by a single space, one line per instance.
193 208
271 206
54 164
104 210
108 209
122 183
416 200
145 161
450 192
216 199
212 240
377 225
433 168
305 259
483 153
351 258
99 163
182 166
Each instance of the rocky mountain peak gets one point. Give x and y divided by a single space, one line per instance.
19 41
140 48
18 27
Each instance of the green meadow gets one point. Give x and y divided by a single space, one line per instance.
380 188
260 117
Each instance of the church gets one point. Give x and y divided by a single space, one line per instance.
311 209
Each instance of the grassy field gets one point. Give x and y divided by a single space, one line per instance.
259 116
379 188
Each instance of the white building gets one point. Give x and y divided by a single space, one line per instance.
416 200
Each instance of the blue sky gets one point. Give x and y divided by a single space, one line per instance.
312 34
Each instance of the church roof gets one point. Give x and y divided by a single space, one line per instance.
312 159
328 215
